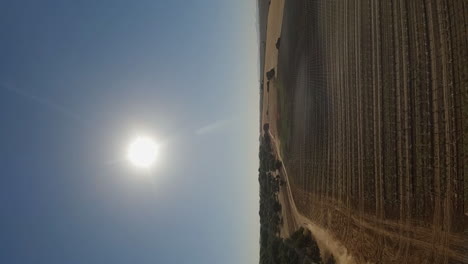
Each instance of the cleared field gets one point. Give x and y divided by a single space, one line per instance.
373 122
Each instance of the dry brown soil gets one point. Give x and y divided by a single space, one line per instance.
375 103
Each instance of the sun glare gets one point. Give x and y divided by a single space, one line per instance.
142 152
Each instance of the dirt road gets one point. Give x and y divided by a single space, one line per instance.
294 219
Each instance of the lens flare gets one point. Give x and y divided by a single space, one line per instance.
142 152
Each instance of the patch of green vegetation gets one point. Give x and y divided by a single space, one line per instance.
300 247
270 208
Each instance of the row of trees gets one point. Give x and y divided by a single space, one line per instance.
300 247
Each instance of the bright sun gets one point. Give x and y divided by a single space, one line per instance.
142 152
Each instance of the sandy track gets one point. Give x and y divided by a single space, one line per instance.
294 219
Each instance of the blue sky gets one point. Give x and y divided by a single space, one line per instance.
78 79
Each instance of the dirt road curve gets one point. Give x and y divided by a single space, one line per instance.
294 219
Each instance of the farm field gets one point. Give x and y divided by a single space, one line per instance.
370 105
